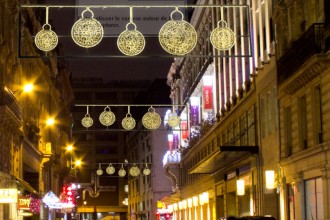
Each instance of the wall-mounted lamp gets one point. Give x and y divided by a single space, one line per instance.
195 201
69 148
270 179
26 88
201 199
184 204
50 121
240 185
78 163
175 206
190 202
180 205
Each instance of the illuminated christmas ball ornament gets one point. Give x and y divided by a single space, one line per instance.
222 38
87 32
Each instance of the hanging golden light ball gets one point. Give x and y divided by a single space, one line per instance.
222 38
128 122
134 171
110 169
151 119
46 39
87 32
122 172
146 170
107 117
131 42
177 37
87 121
173 120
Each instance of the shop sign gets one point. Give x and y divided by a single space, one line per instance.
208 98
184 128
175 140
194 111
23 202
8 195
50 198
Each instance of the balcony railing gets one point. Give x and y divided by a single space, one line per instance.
313 41
8 99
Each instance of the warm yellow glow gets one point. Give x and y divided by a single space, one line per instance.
180 205
170 208
8 195
78 162
195 201
240 184
251 206
28 87
270 179
190 201
184 204
21 213
206 197
175 206
201 199
50 121
69 148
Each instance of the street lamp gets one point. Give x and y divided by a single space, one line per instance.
26 88
73 164
50 121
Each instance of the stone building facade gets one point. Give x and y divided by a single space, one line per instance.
31 152
269 113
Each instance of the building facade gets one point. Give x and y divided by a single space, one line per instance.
146 192
101 146
31 151
257 106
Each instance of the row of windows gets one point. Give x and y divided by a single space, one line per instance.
239 133
303 123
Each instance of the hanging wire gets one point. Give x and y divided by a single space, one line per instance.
221 13
130 14
47 12
134 6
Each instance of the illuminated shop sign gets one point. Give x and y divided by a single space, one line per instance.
207 92
194 111
23 202
22 213
50 198
8 195
184 127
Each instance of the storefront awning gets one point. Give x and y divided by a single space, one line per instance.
26 185
221 159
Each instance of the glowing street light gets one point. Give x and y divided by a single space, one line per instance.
69 148
78 162
28 87
50 121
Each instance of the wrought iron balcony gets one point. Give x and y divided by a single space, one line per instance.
313 41
10 108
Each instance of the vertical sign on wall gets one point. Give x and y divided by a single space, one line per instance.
170 142
207 92
184 128
175 140
194 111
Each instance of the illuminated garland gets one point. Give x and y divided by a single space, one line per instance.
34 204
